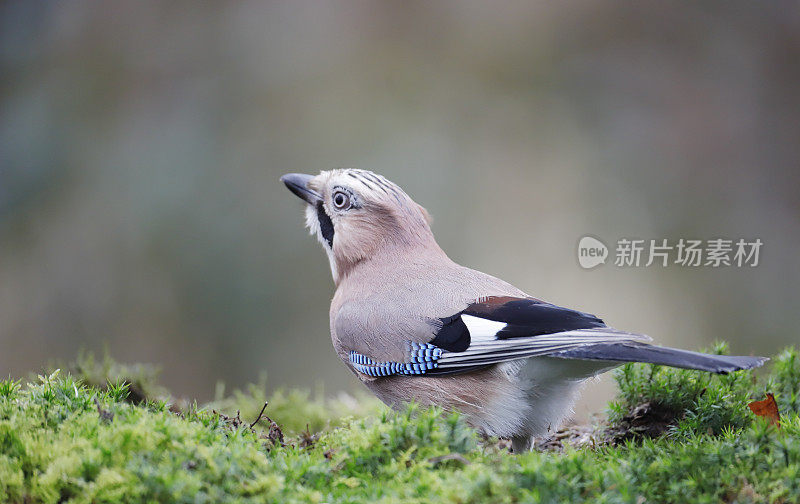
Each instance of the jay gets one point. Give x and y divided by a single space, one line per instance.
415 326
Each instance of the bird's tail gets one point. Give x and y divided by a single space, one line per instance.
642 352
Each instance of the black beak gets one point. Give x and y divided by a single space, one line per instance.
298 184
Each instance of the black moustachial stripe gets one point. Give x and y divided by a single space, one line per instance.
325 224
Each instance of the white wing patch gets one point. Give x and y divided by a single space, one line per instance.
481 329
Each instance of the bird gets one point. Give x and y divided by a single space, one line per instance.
414 326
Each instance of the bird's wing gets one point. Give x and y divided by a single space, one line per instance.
500 329
496 329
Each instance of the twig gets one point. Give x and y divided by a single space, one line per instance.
105 415
259 415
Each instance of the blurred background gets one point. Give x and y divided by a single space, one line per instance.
141 145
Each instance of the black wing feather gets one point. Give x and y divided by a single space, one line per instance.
640 352
524 317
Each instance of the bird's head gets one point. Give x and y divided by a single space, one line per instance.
358 215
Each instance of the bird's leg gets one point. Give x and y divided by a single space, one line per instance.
521 444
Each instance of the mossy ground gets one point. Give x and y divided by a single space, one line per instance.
63 440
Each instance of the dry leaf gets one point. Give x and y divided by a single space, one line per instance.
768 409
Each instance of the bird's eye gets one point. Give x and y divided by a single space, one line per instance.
341 200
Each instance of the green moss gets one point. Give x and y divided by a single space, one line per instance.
64 441
784 382
294 410
141 379
686 401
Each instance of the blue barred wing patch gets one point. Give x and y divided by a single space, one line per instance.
423 357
